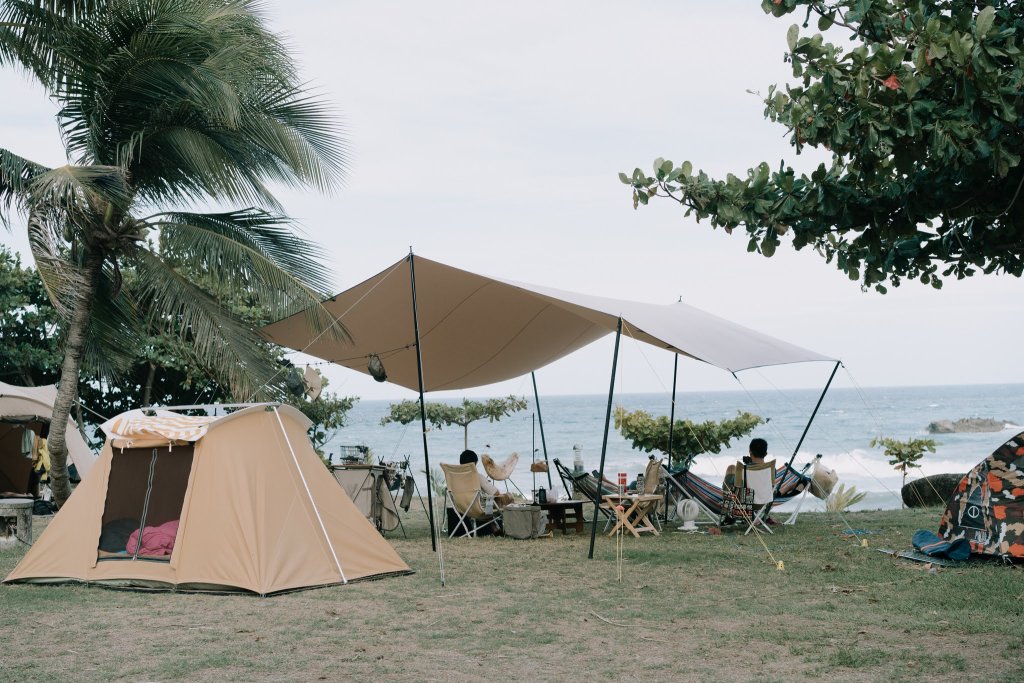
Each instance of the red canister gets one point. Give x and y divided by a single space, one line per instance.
622 482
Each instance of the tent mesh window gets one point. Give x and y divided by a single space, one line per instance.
145 495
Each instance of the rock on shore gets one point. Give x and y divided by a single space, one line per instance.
929 491
971 425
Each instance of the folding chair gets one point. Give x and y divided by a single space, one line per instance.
755 484
584 487
473 508
501 471
652 479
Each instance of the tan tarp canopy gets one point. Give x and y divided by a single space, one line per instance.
255 509
477 330
32 404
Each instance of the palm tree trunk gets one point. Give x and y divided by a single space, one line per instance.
67 390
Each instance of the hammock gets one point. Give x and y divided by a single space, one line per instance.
686 484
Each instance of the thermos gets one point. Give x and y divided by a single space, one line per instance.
577 459
542 496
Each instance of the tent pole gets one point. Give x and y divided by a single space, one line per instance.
813 413
604 444
423 409
672 409
671 423
540 419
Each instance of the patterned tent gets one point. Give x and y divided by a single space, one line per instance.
987 507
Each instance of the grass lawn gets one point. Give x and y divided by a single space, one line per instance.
690 607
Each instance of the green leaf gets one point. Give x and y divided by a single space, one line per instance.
624 179
826 20
792 35
984 21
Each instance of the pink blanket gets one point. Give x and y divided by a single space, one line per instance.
156 540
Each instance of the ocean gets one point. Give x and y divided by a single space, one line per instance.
845 424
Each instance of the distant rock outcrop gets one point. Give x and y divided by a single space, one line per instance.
971 425
930 491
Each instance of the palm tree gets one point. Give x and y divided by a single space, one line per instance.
166 108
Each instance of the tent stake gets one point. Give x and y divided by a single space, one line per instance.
540 418
423 409
813 413
604 444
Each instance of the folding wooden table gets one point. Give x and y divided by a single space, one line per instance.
633 517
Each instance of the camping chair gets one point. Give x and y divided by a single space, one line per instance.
501 471
474 509
584 486
652 480
755 488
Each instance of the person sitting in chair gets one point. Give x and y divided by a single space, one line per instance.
756 454
488 487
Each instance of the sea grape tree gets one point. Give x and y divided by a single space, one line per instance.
689 439
921 113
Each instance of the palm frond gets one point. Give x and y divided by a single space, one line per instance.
115 336
256 252
222 342
195 99
30 35
301 131
68 186
61 278
16 176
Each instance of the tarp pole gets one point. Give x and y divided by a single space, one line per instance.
604 444
540 419
672 409
423 408
813 413
671 423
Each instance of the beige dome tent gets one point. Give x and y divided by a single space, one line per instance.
29 408
239 501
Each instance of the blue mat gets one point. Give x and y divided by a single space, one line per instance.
932 545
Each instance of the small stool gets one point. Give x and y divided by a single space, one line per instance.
21 508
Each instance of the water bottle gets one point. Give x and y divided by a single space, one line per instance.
577 459
640 483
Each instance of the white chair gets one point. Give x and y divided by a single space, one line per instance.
755 485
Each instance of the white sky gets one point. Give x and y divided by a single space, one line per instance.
489 136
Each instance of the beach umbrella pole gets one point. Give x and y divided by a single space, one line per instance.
423 409
540 419
604 443
813 414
